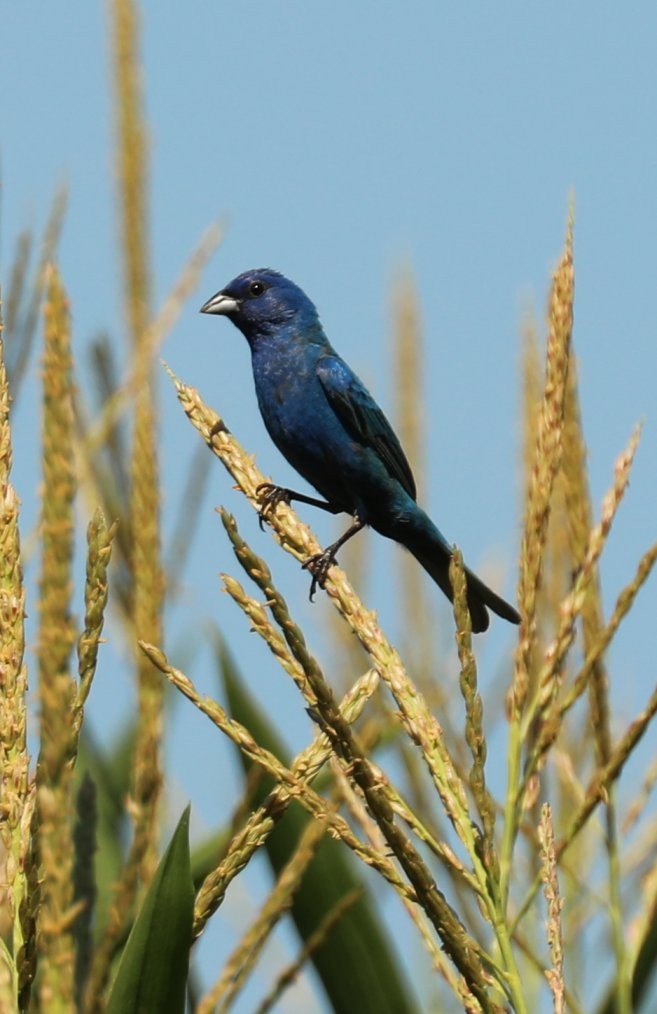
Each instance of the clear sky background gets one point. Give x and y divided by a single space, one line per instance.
339 143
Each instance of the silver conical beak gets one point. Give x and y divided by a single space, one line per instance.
220 303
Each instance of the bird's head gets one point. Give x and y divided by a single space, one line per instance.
261 301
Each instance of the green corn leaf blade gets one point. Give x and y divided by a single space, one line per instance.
644 971
357 965
110 771
152 973
643 978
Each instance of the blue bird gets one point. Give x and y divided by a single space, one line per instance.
331 430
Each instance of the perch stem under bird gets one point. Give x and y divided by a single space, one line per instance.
329 427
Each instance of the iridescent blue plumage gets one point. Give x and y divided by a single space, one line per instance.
329 427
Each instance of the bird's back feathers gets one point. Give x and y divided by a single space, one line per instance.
363 419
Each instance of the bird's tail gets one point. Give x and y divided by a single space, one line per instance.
435 555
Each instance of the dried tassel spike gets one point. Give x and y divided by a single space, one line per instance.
555 975
16 796
55 642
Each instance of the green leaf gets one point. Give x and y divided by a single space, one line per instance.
644 971
356 963
152 972
110 770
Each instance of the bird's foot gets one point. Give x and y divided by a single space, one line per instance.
270 496
319 566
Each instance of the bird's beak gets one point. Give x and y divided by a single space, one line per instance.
220 303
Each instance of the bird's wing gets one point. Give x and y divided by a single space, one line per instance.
362 417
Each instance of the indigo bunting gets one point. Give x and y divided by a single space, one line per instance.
331 430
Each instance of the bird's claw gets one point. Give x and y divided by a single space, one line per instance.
319 566
270 496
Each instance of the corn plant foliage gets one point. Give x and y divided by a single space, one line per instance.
109 771
356 962
152 972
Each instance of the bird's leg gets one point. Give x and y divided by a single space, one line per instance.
320 564
269 495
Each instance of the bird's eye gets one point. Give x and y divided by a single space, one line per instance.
256 289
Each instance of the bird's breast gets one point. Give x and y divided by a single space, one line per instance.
313 438
302 424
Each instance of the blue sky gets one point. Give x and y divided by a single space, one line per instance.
339 143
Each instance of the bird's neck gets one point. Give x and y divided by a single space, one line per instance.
290 340
286 357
